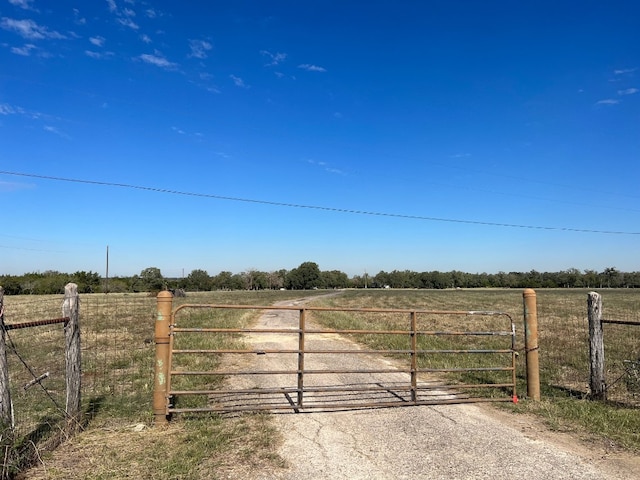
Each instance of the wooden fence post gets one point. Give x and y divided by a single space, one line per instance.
7 448
531 343
6 414
597 382
73 365
163 320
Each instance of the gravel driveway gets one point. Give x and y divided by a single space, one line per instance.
430 442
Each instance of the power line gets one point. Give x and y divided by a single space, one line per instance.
314 207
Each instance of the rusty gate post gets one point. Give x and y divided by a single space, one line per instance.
531 343
163 319
302 327
414 357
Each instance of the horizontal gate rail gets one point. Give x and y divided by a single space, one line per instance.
300 395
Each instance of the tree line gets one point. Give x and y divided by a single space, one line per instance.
309 276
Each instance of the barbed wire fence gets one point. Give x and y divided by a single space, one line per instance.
35 399
564 344
621 335
117 368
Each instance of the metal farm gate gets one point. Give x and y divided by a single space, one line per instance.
220 360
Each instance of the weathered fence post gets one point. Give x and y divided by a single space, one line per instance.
531 343
6 409
5 393
597 382
7 448
73 361
163 319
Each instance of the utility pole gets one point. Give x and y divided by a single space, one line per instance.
106 283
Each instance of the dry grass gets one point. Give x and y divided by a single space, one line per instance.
207 447
117 333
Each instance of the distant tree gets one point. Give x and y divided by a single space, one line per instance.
11 284
260 280
306 276
458 279
404 279
590 278
222 281
632 279
275 280
334 279
198 280
237 281
380 279
87 282
611 276
572 278
442 280
255 280
152 279
533 279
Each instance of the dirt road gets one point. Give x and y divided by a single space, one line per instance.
434 442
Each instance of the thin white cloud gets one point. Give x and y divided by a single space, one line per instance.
461 155
199 48
158 60
54 130
312 68
98 55
326 167
608 101
29 29
24 4
628 91
124 16
25 50
274 58
98 41
622 71
151 13
196 135
145 38
7 109
127 22
77 18
238 82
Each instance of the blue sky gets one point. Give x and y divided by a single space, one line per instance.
363 136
